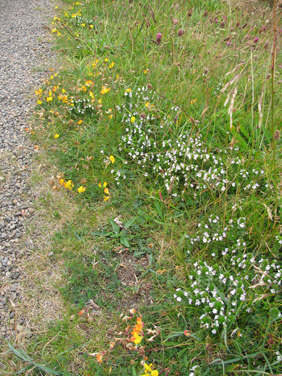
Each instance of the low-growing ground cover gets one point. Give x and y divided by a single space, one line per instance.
164 127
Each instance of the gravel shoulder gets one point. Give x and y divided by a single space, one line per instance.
25 58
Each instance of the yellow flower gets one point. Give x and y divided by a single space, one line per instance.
81 189
111 65
104 184
51 77
69 184
49 99
106 190
147 104
100 101
106 198
83 25
91 94
155 373
127 90
112 159
132 119
99 358
138 339
38 92
110 116
91 26
105 90
63 91
146 71
54 31
56 135
79 122
147 367
106 60
61 181
39 102
117 76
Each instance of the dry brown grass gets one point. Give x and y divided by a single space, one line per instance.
40 301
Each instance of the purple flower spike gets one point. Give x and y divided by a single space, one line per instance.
247 36
228 43
205 14
256 40
216 20
175 21
159 38
180 32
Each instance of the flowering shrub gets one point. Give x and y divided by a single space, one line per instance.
222 241
222 297
182 163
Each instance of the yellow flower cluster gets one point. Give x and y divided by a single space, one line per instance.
105 90
150 371
137 330
68 184
81 189
106 190
56 31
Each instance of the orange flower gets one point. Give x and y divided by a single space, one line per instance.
99 357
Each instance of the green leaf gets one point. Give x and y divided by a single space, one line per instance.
101 233
124 241
138 254
151 260
159 222
115 227
130 222
133 371
23 356
159 209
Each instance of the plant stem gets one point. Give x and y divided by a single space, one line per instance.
272 111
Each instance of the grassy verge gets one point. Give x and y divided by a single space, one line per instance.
164 127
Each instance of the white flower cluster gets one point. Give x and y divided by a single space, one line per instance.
279 356
194 371
172 156
268 274
82 107
220 237
78 20
220 296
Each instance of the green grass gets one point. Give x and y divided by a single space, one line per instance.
173 140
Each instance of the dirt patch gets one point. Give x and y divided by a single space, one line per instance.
136 290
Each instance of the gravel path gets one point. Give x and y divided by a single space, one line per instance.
24 60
